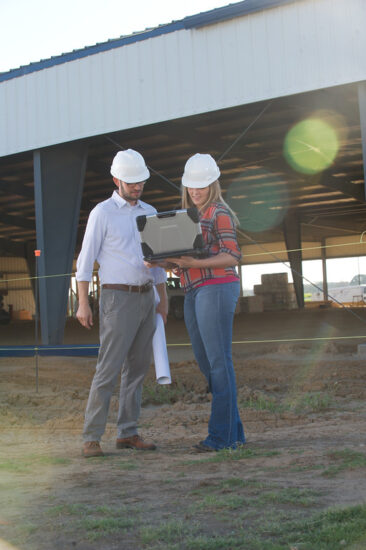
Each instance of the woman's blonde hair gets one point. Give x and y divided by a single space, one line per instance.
213 196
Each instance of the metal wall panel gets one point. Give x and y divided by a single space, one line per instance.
289 49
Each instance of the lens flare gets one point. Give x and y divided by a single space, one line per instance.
311 146
259 199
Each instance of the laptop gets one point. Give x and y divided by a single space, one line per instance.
170 234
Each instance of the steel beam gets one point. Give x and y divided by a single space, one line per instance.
362 108
58 183
292 234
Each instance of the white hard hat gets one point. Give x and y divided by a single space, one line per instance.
200 171
129 166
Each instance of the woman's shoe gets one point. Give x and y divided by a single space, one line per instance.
202 448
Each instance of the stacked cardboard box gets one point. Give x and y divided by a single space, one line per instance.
251 304
277 293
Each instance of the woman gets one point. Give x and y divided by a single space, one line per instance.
212 289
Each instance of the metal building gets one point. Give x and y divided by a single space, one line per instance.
233 82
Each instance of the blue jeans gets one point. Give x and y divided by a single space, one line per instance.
208 314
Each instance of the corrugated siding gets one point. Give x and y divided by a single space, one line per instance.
289 49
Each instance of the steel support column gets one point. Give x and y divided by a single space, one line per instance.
292 234
324 270
362 108
58 183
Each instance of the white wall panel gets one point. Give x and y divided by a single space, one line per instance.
288 49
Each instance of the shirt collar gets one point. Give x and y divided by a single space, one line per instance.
120 202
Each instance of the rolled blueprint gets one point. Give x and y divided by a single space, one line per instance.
160 352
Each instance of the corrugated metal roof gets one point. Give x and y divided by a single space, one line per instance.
193 21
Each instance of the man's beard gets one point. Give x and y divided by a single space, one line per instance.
129 197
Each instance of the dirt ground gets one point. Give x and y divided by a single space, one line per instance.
303 405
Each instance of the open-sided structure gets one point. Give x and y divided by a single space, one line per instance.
275 90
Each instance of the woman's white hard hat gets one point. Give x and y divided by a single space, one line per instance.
200 171
129 166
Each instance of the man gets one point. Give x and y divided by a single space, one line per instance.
127 304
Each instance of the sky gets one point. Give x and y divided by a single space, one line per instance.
32 30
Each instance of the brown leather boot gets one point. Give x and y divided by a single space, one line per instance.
134 442
92 448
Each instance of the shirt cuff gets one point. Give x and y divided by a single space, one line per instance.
159 275
83 276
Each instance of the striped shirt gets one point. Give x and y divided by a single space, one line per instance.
219 235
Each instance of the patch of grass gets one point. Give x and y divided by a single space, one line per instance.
97 522
212 543
101 527
127 465
156 394
24 464
330 530
306 467
262 403
53 460
13 466
310 402
228 502
237 482
20 535
359 545
289 495
238 454
28 528
227 484
68 509
346 459
242 540
169 532
337 528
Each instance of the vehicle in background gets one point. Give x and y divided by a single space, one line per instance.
353 294
175 297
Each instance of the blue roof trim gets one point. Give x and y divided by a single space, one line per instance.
231 11
190 22
91 50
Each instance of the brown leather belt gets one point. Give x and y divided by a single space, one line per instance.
129 288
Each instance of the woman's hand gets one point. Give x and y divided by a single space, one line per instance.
221 260
184 261
160 263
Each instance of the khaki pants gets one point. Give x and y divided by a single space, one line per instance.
127 325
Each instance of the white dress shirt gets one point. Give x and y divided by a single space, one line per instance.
112 239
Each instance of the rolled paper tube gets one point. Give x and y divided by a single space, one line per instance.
160 352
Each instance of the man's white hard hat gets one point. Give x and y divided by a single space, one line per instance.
200 171
129 166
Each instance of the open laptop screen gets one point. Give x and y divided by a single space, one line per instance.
173 233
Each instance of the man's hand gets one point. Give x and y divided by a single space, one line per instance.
163 305
84 316
163 310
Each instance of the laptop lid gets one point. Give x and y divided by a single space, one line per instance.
172 233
